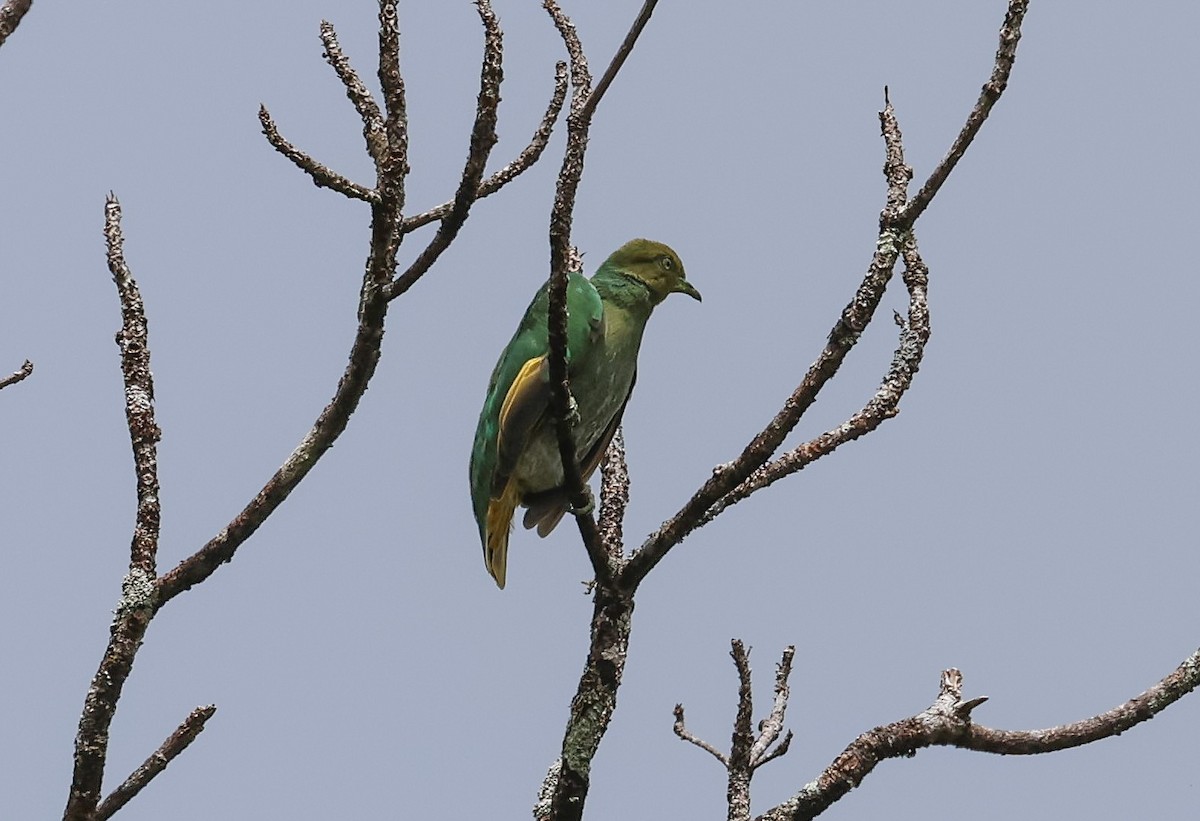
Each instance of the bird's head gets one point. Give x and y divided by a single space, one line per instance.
653 264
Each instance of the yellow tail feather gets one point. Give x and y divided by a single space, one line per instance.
499 524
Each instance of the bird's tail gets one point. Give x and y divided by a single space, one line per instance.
499 523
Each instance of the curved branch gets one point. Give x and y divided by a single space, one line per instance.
322 175
947 722
895 224
1006 55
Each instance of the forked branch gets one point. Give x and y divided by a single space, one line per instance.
749 751
738 478
947 722
385 130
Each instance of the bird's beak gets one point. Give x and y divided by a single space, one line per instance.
685 287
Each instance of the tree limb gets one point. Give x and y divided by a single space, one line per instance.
138 593
175 744
947 722
895 227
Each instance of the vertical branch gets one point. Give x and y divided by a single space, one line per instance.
138 592
747 751
614 496
133 340
563 261
596 696
737 792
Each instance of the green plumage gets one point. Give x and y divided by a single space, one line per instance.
515 459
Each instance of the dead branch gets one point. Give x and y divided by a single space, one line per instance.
595 698
386 134
947 722
138 590
617 578
895 227
175 744
748 751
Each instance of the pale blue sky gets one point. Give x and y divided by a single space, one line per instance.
1029 516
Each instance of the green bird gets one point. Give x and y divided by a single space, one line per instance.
515 458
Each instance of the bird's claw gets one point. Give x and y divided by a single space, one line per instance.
572 410
589 506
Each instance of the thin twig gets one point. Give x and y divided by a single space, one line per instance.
360 97
10 17
1006 55
322 175
682 731
947 722
18 375
175 744
618 59
772 725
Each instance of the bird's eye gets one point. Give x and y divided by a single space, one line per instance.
667 263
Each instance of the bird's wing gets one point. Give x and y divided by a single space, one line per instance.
519 391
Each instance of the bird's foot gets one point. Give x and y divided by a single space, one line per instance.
589 506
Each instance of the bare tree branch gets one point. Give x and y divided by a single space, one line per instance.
368 110
595 698
391 158
947 722
614 496
618 60
896 224
1006 55
175 744
564 259
747 751
20 374
138 593
143 595
682 731
322 176
10 16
